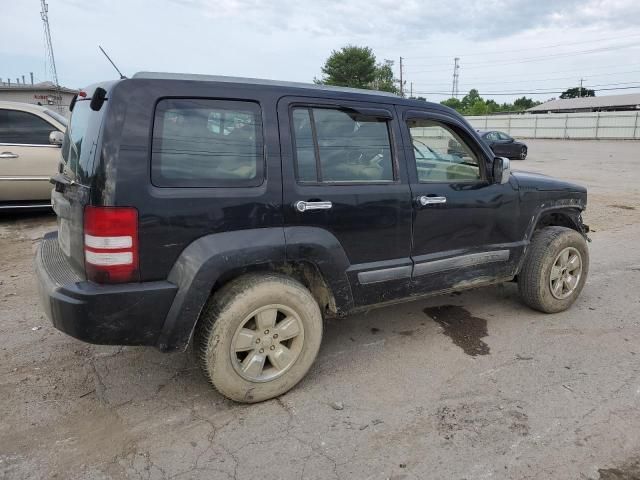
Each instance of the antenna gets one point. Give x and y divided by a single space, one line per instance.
111 61
456 75
44 14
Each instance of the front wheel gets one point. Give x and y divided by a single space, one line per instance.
258 337
554 270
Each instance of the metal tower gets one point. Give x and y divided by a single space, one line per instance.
51 59
456 75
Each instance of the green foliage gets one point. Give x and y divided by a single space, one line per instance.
473 104
384 79
576 92
356 67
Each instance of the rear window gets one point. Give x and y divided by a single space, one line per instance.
80 141
207 143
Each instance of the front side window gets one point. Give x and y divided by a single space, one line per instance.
441 155
207 143
23 128
341 146
503 136
492 136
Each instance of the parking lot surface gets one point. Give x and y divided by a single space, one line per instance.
465 386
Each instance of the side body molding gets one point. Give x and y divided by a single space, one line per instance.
203 263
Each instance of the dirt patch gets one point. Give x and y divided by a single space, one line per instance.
623 207
464 329
629 471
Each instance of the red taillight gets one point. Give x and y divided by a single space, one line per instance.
111 244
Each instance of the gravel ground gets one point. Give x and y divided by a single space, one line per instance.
466 386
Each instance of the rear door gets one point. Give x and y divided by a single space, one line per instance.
465 228
344 177
75 178
27 159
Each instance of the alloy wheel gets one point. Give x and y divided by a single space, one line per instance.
565 273
267 343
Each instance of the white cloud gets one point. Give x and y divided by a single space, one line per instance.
289 39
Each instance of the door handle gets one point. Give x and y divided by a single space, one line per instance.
303 206
9 155
424 200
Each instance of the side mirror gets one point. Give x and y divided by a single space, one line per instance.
501 170
56 137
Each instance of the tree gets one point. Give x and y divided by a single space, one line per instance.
351 66
383 77
524 103
453 103
470 98
576 92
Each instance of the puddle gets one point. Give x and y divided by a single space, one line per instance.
464 329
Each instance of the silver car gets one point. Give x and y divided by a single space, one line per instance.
30 141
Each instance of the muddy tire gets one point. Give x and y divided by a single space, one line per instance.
258 336
554 270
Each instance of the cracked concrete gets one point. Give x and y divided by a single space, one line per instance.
557 396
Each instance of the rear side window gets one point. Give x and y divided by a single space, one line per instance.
23 128
80 142
207 143
335 146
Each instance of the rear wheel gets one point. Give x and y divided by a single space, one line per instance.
258 337
555 269
523 153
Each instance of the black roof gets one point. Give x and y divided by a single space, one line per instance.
374 95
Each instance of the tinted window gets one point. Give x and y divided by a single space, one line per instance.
339 146
503 136
441 155
492 136
207 143
23 128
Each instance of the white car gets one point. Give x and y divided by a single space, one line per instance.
30 141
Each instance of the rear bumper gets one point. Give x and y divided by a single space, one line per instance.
127 314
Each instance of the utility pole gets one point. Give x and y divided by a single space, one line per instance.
581 80
411 90
456 75
401 80
44 14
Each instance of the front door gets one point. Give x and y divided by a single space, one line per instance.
27 159
343 187
465 229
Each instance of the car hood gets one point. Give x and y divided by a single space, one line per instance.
545 183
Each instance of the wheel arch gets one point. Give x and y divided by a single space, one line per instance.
562 217
212 261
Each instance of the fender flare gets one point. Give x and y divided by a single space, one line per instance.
218 256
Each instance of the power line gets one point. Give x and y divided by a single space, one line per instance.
539 58
546 90
502 52
533 92
530 80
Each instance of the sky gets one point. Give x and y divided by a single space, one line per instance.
506 47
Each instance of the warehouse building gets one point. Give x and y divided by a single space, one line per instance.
608 103
44 93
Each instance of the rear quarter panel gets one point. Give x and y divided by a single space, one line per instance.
172 218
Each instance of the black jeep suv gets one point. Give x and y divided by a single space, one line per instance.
237 213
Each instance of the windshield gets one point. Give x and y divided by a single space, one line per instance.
56 116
